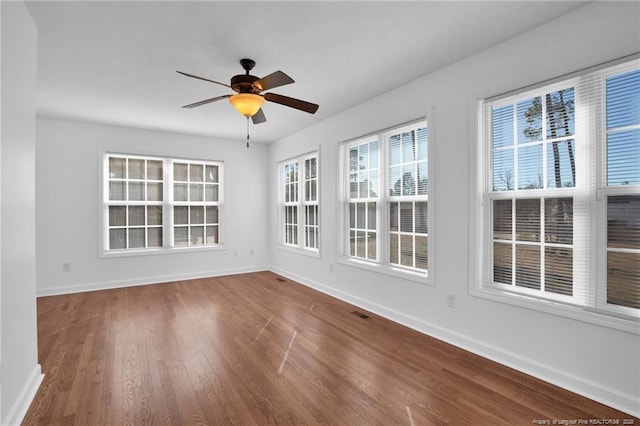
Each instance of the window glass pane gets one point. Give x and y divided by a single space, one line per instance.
393 248
212 235
154 215
136 169
195 173
528 266
421 252
623 158
353 185
352 243
503 170
196 214
408 180
395 150
558 220
353 159
560 113
530 120
137 238
502 263
154 236
561 164
181 215
211 173
530 167
154 170
197 235
558 270
361 244
502 126
373 155
623 99
352 215
623 279
195 192
395 184
117 216
406 217
154 191
211 193
313 196
623 222
180 236
180 172
361 214
136 191
117 168
212 214
502 220
372 253
393 217
371 216
528 220
116 191
406 250
117 239
363 157
408 147
421 217
423 178
136 215
422 135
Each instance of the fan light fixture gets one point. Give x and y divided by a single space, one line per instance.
247 104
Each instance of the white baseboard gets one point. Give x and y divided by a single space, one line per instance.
23 402
107 285
596 391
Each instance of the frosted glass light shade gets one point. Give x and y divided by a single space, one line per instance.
247 104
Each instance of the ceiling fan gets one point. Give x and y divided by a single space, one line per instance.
249 99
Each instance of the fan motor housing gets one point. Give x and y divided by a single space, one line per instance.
243 83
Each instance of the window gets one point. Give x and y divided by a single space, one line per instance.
299 208
562 172
386 199
159 203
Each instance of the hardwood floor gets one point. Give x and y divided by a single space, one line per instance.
260 349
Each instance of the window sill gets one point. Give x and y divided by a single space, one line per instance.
299 250
580 313
386 269
160 251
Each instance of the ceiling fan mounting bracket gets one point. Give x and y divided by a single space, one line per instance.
247 64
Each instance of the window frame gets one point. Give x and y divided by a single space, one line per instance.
382 263
301 204
167 205
591 170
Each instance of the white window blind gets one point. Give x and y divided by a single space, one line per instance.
562 171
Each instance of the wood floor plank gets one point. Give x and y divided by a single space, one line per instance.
259 349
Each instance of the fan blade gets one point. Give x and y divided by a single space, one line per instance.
292 102
202 78
258 117
206 101
272 80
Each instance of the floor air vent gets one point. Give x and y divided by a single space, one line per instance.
360 314
281 279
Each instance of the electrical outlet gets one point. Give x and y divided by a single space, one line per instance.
451 300
66 267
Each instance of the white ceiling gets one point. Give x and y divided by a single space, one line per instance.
115 62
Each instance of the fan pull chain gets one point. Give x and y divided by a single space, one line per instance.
247 132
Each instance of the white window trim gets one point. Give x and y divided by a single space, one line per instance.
299 248
384 267
167 207
479 221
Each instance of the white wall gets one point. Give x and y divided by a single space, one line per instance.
20 372
595 361
69 167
